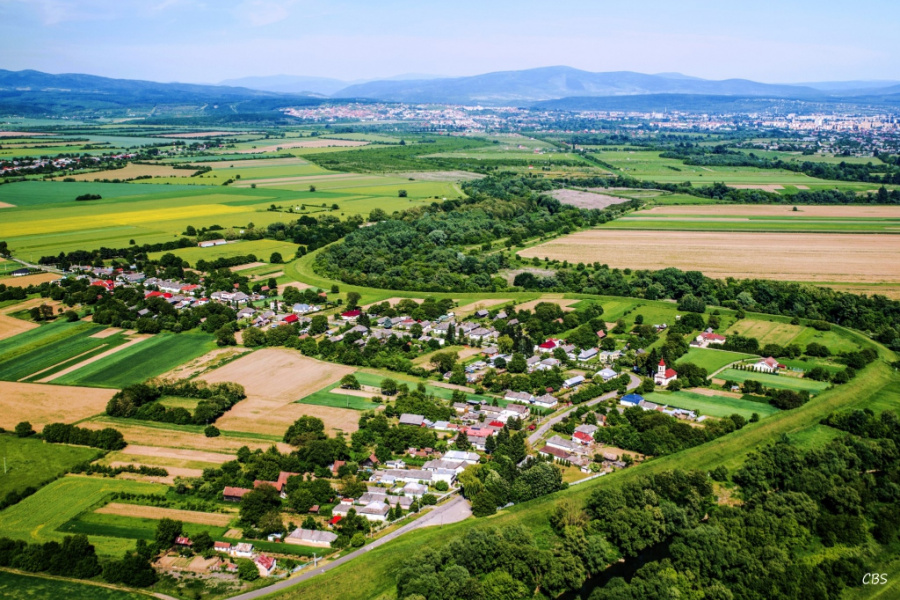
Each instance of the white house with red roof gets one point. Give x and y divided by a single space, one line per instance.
548 346
351 315
664 375
767 365
708 338
265 565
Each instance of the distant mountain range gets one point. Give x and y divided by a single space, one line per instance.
551 83
564 88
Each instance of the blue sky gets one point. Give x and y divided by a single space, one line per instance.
212 40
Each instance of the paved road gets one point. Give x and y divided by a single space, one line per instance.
540 431
33 266
454 510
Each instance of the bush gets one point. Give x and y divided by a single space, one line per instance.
211 431
247 570
24 429
441 486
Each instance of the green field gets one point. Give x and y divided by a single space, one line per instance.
262 249
324 397
16 586
130 528
69 346
137 363
784 382
710 359
779 331
438 391
29 462
38 517
714 406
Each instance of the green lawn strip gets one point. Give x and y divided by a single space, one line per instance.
805 364
141 361
30 462
130 528
784 382
714 406
324 397
710 359
19 586
439 391
75 347
373 574
37 518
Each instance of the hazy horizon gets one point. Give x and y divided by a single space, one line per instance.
196 41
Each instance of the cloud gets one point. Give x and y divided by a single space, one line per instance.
259 13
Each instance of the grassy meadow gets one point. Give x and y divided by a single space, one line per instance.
30 462
714 406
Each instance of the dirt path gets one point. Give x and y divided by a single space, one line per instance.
93 359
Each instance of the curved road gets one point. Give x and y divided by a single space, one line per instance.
540 431
456 509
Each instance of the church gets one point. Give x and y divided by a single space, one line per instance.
664 376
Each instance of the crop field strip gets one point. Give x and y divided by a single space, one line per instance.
785 382
30 462
19 586
714 406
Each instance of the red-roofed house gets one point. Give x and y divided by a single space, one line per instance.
183 541
336 466
664 376
549 345
153 294
582 438
234 494
351 315
108 284
335 520
767 365
555 453
221 546
601 334
265 564
291 318
705 339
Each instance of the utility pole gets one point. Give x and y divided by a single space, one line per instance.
315 560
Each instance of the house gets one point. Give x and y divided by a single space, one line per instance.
301 308
573 381
588 429
514 411
582 438
512 396
336 465
184 541
664 376
467 457
412 420
548 346
631 400
555 453
587 354
234 494
767 365
21 272
376 511
265 565
222 547
607 374
311 537
481 314
562 444
545 401
415 490
601 334
351 315
243 550
707 337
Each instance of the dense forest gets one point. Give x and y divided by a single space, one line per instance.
797 525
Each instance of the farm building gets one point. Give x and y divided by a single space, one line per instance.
631 400
512 396
311 537
211 243
265 564
555 453
607 374
573 381
587 354
234 494
707 337
546 401
20 272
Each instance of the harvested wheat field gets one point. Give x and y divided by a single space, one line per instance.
203 363
318 143
10 326
714 393
169 479
178 454
42 404
563 304
769 210
26 280
105 333
278 374
274 378
246 266
394 301
172 438
155 512
809 257
130 172
766 187
586 199
274 417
